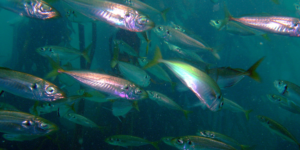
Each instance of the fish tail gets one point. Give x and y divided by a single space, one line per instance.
155 144
145 35
186 112
251 71
265 36
157 57
85 53
115 59
227 18
215 51
56 69
163 13
135 105
247 113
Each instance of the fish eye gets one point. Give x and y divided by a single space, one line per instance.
142 20
221 104
117 140
168 32
35 86
146 76
180 141
189 142
126 87
43 49
138 91
50 50
212 135
127 14
218 22
160 28
27 123
73 12
50 90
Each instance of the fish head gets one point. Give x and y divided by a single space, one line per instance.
46 51
162 32
207 134
143 61
167 140
296 28
113 140
46 91
138 22
153 95
281 86
45 126
216 23
134 92
274 98
217 102
264 121
40 10
183 143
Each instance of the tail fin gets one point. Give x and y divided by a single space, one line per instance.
186 112
85 53
56 69
115 59
227 18
155 60
216 50
145 35
251 71
247 113
163 13
135 105
155 144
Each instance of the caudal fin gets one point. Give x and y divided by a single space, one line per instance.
155 144
163 13
186 112
227 18
56 69
155 60
251 71
135 105
215 51
247 113
85 53
146 37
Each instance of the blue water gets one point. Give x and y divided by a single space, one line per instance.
20 37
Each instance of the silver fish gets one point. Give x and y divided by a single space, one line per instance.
115 14
288 89
124 47
30 8
234 107
284 103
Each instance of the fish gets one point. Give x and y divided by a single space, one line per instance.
222 138
155 70
29 86
143 7
234 107
281 25
37 9
203 86
124 47
199 143
288 89
237 29
93 95
79 119
284 103
183 40
63 53
128 140
163 100
121 107
15 122
115 14
227 77
114 86
168 140
5 106
277 129
77 17
20 137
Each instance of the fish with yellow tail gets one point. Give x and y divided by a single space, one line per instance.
203 86
199 143
163 100
281 25
107 84
128 140
228 77
118 15
277 129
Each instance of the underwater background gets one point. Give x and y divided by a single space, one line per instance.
21 36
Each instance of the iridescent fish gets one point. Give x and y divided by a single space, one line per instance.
31 8
115 14
29 86
203 86
284 103
128 140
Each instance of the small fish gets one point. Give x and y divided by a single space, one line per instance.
63 53
199 143
288 89
121 107
234 107
29 86
182 40
5 106
128 140
113 86
155 70
115 14
297 7
223 138
284 103
278 129
20 137
282 25
124 47
228 77
31 8
79 119
168 140
163 100
203 86
15 122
